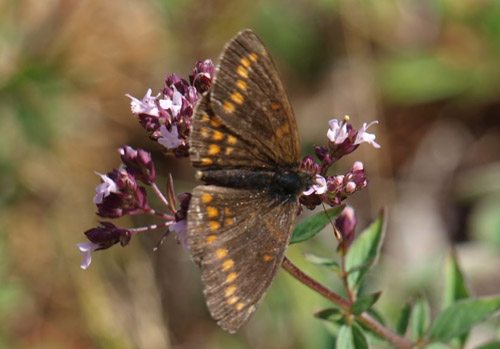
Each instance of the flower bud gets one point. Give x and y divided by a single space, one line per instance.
139 164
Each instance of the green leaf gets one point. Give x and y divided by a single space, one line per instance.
359 337
403 319
364 303
351 338
454 285
329 314
365 249
490 345
437 346
362 267
420 318
325 262
461 316
344 338
314 224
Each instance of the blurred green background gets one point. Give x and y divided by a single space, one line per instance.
429 71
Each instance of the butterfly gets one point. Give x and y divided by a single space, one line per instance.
245 145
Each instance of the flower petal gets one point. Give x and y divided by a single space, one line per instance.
86 249
169 139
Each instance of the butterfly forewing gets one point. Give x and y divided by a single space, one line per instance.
248 94
213 145
239 243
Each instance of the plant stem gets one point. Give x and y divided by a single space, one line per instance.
345 275
160 195
365 318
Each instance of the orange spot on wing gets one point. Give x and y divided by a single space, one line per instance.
253 56
267 258
231 277
229 150
229 221
221 253
229 107
206 198
239 306
213 149
227 264
205 117
245 62
214 225
231 139
242 72
237 97
217 135
230 290
216 122
204 132
232 300
212 211
211 238
282 130
242 85
206 161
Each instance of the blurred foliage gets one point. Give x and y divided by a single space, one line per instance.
413 65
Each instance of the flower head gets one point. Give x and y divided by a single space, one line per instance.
332 190
101 238
125 198
138 163
167 116
202 75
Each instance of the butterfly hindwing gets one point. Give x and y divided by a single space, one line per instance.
238 237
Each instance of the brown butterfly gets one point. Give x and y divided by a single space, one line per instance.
245 144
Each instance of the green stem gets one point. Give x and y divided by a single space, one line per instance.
365 318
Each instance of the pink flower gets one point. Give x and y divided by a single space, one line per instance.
363 136
145 106
107 187
174 104
337 132
180 228
319 188
169 139
86 248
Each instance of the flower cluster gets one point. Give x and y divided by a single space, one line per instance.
332 190
167 115
344 139
119 194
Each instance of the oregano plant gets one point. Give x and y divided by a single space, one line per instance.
167 118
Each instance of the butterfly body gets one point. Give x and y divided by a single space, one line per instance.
245 146
278 182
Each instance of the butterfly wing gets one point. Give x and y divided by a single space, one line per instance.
239 238
214 145
250 101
